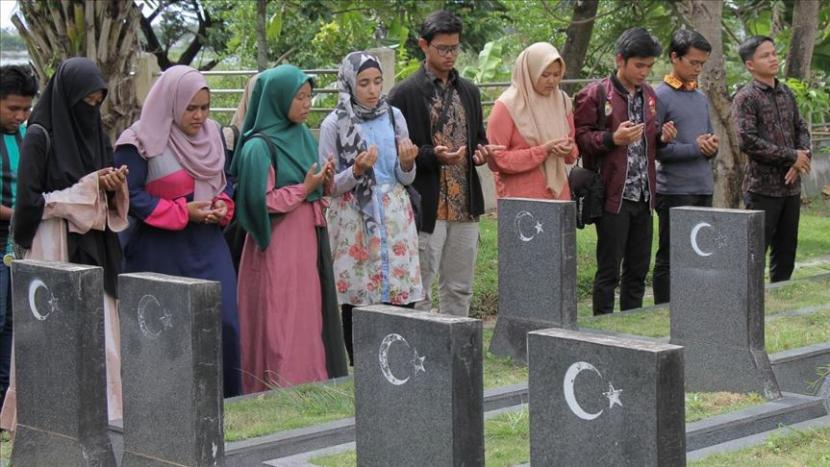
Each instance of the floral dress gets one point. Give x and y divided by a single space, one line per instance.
381 266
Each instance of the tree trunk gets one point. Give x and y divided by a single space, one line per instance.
261 35
705 17
104 32
805 27
578 38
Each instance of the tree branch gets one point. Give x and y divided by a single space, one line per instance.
153 44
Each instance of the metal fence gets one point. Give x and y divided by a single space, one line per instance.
820 128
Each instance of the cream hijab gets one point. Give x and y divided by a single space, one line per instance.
539 118
239 115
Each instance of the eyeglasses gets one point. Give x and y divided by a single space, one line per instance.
444 50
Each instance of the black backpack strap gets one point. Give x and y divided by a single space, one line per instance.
45 135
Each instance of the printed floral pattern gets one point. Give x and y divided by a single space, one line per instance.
384 267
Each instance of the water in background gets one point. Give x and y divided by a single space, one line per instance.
14 58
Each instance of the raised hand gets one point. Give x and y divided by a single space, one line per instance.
218 211
628 132
802 161
407 152
197 211
365 160
445 157
110 179
485 152
707 144
313 179
668 132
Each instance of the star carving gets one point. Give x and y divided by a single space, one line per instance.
613 396
418 363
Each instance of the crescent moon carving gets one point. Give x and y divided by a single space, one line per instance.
34 286
693 238
153 325
538 226
570 376
383 356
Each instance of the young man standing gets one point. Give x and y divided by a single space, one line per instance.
617 134
777 143
18 87
444 117
684 173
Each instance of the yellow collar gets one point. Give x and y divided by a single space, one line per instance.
676 83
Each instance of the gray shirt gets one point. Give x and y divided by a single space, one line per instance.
681 168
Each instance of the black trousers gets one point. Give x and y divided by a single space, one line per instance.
662 273
781 216
6 338
346 316
622 239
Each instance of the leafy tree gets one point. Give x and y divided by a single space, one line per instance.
104 32
194 24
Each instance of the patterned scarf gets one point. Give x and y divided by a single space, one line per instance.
349 114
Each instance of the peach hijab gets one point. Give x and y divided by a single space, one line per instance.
539 118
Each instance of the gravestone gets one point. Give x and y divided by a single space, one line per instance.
418 388
61 365
172 371
604 400
537 271
717 299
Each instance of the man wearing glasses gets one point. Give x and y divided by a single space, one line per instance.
444 117
684 173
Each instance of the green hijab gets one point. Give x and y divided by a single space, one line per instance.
296 148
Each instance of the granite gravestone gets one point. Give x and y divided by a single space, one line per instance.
717 299
604 400
418 388
537 271
172 371
61 365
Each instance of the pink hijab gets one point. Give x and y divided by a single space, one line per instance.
157 130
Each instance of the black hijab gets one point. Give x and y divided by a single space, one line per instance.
78 146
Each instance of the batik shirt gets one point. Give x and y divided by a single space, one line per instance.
770 130
453 199
636 180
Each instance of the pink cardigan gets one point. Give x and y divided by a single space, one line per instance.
518 171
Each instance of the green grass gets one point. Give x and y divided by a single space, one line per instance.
813 243
500 371
649 323
798 294
288 409
787 447
781 334
798 331
507 436
310 404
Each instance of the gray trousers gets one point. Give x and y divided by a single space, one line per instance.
450 253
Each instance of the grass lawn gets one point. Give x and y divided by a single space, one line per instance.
507 437
788 447
311 404
813 243
317 403
781 334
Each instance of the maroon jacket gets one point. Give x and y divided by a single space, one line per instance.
596 143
